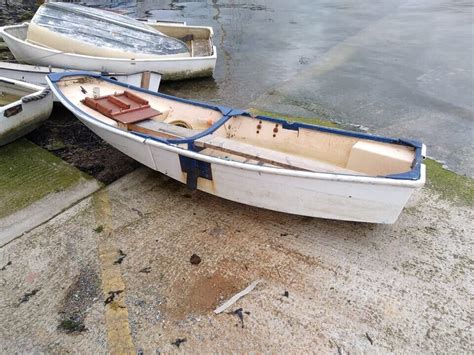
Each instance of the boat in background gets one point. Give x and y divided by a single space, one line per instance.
35 74
73 28
259 161
200 61
23 107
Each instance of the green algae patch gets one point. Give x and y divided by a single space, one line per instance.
313 121
29 173
448 184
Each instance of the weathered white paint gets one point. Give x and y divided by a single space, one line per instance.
35 74
333 196
32 113
170 68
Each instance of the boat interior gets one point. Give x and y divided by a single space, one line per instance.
11 92
198 39
242 138
19 31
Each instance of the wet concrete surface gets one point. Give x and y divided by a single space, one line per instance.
397 68
325 286
35 186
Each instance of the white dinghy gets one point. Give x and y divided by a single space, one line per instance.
84 30
38 44
36 75
260 161
23 107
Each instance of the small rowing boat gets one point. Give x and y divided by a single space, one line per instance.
260 161
200 60
35 74
23 107
80 29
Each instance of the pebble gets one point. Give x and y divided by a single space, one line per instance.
195 259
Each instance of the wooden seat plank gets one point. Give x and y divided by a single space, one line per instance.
234 157
269 156
162 129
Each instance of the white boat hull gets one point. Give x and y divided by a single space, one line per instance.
170 68
31 110
329 196
325 196
343 196
35 74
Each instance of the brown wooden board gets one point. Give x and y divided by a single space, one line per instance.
124 107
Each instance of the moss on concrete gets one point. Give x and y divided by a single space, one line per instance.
29 173
448 184
315 121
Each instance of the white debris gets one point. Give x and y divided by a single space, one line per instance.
235 298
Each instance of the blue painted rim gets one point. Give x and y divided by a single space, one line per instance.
227 113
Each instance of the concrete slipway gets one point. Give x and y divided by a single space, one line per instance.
110 271
113 274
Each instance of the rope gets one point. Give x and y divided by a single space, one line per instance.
41 95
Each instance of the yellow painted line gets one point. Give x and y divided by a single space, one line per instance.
119 337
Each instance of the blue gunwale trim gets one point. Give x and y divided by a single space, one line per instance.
55 77
228 113
413 174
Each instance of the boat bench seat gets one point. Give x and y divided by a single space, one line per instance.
163 130
269 156
376 159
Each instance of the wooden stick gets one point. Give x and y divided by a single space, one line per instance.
236 297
